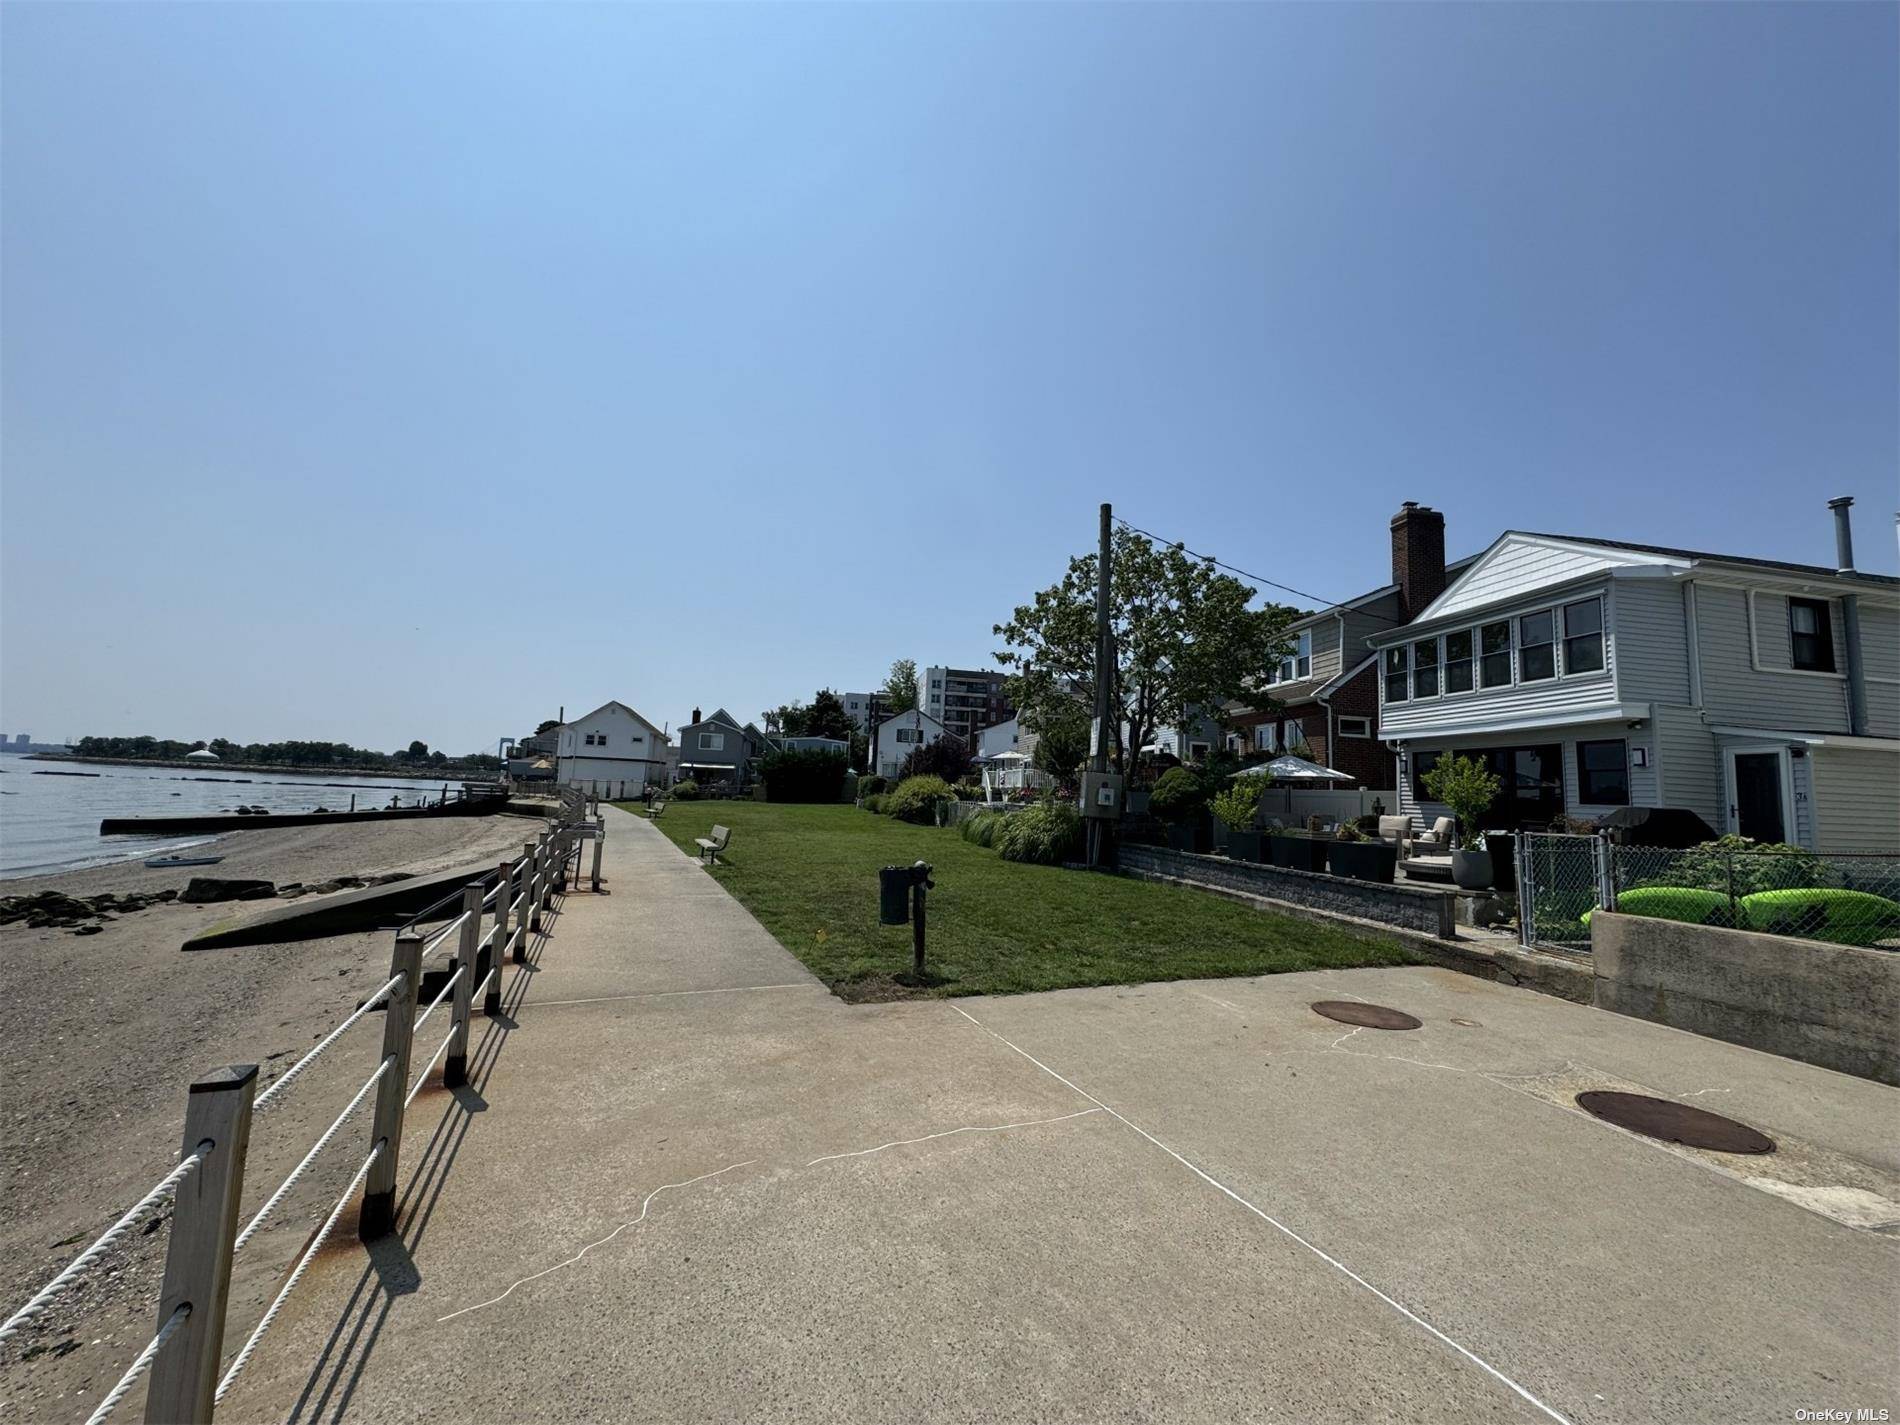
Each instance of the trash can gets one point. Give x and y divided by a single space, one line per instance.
893 895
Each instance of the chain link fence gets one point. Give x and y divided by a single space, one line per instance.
1846 900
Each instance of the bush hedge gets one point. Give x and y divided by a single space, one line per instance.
804 776
1178 795
1045 835
871 786
684 791
874 802
982 828
919 799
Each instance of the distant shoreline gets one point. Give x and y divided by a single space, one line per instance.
441 774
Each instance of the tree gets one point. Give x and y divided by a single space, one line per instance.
826 717
947 757
1185 637
900 687
547 724
1062 744
788 719
418 752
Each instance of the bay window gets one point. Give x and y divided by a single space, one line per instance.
1537 647
1425 668
1494 655
1583 636
1458 661
1395 671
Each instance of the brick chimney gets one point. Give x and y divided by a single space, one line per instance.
1441 579
1418 557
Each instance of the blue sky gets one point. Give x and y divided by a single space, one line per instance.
376 372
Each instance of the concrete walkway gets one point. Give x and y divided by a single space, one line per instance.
689 1184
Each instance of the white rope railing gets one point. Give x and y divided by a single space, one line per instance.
296 1275
444 933
140 1364
482 989
422 1077
283 1082
250 1228
447 990
57 1287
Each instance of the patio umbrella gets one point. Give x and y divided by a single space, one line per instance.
1294 769
1008 757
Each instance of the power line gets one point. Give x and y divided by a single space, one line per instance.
1330 604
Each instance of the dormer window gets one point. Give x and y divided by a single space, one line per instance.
1299 662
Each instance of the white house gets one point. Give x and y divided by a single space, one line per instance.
613 750
1005 736
902 734
1592 674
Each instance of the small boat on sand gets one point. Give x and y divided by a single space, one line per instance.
165 862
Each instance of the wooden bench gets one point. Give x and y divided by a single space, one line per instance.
653 812
711 846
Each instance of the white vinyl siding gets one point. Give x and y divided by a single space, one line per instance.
1652 641
1687 764
1856 794
1516 565
1734 690
1880 657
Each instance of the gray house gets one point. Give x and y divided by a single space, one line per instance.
719 750
1593 674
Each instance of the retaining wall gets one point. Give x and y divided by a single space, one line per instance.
1412 908
1833 1005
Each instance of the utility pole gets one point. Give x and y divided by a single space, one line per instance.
1104 671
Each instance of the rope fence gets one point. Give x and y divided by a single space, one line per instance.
183 1356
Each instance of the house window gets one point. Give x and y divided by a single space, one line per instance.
1603 777
1425 669
1583 636
712 742
1422 762
1266 737
1810 635
1197 751
1234 742
1458 661
1299 662
1355 727
1494 655
1395 667
909 734
1537 646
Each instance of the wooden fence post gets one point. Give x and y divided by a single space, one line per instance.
198 1256
504 878
399 1025
455 1066
536 857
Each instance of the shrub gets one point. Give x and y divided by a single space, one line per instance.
871 786
919 799
1348 831
1754 866
947 758
1236 804
1468 787
684 791
1178 795
981 829
804 776
1819 913
970 790
1045 835
874 802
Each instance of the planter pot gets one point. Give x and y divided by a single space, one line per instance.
1363 860
1503 848
1297 853
1243 845
1471 870
1186 836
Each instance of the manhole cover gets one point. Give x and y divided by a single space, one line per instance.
1674 1122
1367 1016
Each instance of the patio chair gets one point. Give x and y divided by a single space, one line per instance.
1395 831
1437 841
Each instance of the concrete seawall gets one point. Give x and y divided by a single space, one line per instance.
1833 1005
174 825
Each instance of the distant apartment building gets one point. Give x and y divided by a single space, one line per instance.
857 707
964 700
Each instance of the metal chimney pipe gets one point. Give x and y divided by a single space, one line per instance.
1850 619
1843 532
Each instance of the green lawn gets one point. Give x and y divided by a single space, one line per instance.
809 873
